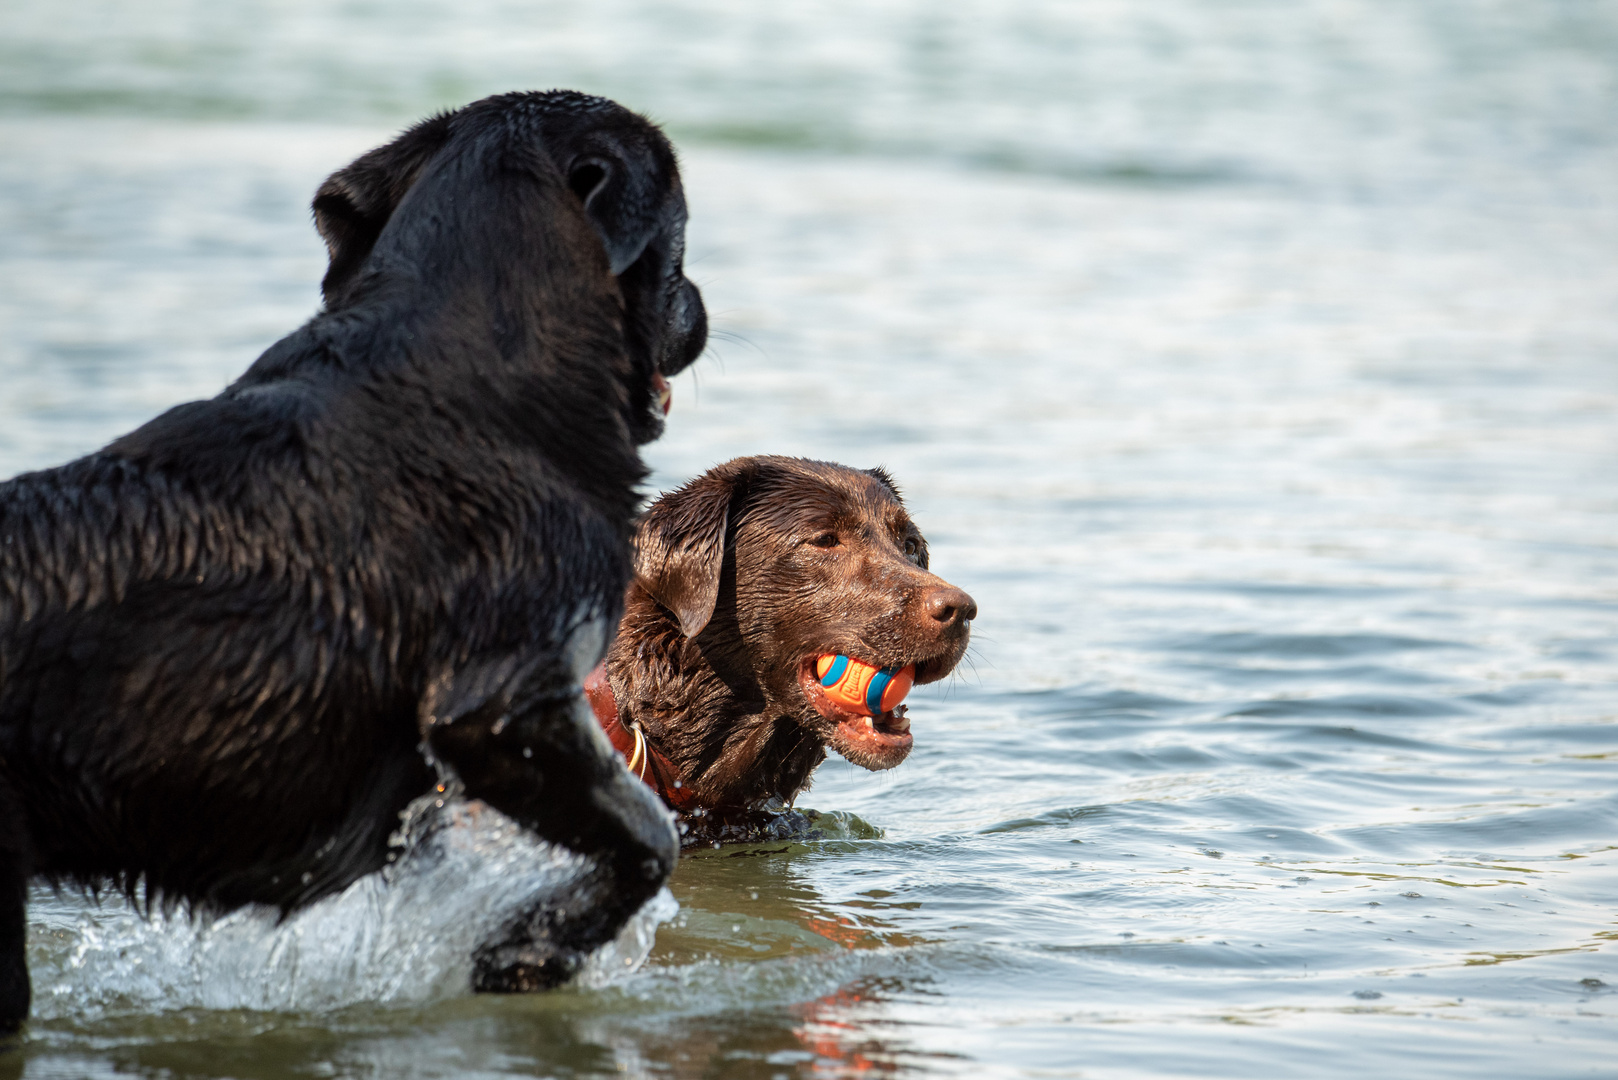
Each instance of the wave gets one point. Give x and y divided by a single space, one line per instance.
404 935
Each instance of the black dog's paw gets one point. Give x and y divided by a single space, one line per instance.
522 969
549 944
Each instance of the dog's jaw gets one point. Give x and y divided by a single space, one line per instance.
654 417
666 345
871 742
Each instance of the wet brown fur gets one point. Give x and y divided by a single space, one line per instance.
737 584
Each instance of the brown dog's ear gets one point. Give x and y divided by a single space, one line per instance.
886 480
680 548
355 202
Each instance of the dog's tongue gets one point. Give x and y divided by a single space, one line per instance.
664 392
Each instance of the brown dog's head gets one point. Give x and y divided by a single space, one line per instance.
611 169
763 565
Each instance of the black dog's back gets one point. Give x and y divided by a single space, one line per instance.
193 711
226 638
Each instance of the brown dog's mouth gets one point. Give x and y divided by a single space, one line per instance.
872 742
939 666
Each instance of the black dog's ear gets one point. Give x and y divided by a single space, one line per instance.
680 548
355 202
618 182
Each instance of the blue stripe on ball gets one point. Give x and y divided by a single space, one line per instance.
873 693
835 672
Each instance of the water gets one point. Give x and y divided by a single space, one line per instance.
1254 366
404 936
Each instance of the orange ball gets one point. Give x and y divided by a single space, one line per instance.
861 687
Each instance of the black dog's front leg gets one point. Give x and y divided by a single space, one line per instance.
537 756
14 988
15 992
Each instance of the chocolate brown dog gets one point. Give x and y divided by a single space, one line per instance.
744 577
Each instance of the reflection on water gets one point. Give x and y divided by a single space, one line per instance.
1253 367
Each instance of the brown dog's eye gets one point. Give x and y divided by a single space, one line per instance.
913 550
825 540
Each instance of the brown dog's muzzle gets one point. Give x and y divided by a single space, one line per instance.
938 622
943 616
950 606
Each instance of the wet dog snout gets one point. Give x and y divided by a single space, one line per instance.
950 606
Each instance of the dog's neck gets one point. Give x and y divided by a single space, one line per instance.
718 735
648 763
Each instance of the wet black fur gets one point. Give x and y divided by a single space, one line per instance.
231 641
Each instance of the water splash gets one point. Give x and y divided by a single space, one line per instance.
402 936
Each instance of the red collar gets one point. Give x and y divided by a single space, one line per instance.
644 759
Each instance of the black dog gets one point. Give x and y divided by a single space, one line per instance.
744 578
238 641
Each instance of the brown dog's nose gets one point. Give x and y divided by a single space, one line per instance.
951 606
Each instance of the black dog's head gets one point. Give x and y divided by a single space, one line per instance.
623 182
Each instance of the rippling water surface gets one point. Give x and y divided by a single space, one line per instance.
1254 366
